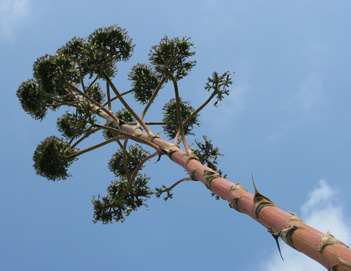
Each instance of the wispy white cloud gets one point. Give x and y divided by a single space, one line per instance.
12 15
320 211
306 101
310 93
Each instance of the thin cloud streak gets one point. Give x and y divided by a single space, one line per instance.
12 15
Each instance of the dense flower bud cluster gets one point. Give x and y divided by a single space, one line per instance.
125 195
32 99
51 72
132 158
170 57
72 77
71 124
96 93
146 81
51 158
170 115
105 208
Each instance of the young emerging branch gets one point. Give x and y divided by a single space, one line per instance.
124 152
180 122
94 147
153 97
108 96
168 190
124 93
131 136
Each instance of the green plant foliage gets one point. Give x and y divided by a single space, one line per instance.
125 115
76 50
50 158
51 72
133 157
170 57
208 155
96 57
106 208
170 115
219 84
146 80
106 47
70 124
32 99
162 190
96 93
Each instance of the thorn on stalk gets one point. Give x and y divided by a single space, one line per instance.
260 201
276 236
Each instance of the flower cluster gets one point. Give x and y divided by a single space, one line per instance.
145 80
219 84
170 57
106 208
208 155
32 99
131 158
126 194
97 55
52 158
170 116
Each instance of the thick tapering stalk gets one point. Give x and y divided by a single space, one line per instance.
322 247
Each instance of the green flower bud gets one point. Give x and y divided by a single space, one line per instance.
50 158
96 93
106 47
106 210
170 115
51 72
133 156
146 80
32 99
170 57
68 124
219 84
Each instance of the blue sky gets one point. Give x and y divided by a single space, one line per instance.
287 121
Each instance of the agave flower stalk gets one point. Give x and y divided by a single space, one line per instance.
55 84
